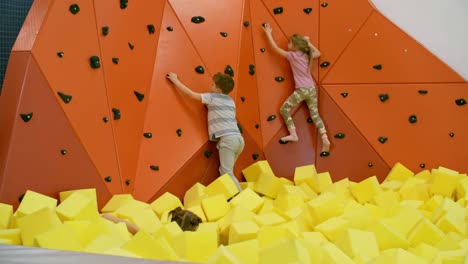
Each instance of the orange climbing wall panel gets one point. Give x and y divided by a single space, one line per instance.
31 25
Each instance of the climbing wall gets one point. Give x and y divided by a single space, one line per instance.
86 102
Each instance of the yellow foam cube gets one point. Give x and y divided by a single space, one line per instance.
268 184
444 183
115 202
341 189
102 243
461 190
165 202
32 202
248 199
416 192
425 251
386 236
305 174
245 251
208 227
198 210
223 255
77 207
267 205
322 181
290 251
271 218
365 190
308 191
78 227
196 246
101 226
242 231
433 203
399 173
425 232
120 252
143 218
358 244
269 235
452 223
245 185
398 256
316 238
448 206
387 199
6 213
90 193
391 185
463 244
61 237
453 256
333 227
294 226
36 223
451 241
333 255
286 201
11 234
195 194
324 207
404 221
237 214
147 246
169 231
358 217
215 207
293 190
222 185
285 181
252 172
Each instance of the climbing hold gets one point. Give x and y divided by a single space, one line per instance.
26 117
139 96
324 64
377 67
123 4
66 98
224 34
383 97
151 28
255 156
344 95
422 165
179 132
251 69
271 118
452 134
20 198
383 139
63 151
340 136
105 119
324 4
257 126
154 167
282 142
116 113
370 165
228 70
324 154
262 50
307 10
200 69
279 79
423 91
147 135
246 23
309 120
60 54
127 182
94 62
460 102
131 46
242 99
105 30
108 179
413 119
198 19
207 154
278 10
170 28
74 9
115 60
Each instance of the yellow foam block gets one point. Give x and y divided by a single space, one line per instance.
391 185
399 173
245 251
11 234
269 235
32 202
6 213
61 237
267 205
36 223
415 204
77 207
451 241
286 201
248 199
169 231
424 175
386 236
90 193
358 244
292 213
237 214
102 243
412 182
398 256
195 194
252 172
461 190
222 185
341 189
196 246
333 227
308 191
425 232
101 226
165 202
144 218
404 221
462 202
433 203
316 238
198 210
120 252
452 223
147 246
448 206
305 174
463 244
268 184
294 227
322 181
365 190
115 202
350 205
416 192
425 251
290 251
333 255
286 181
359 217
453 256
208 227
78 227
242 231
324 207
387 199
444 183
271 218
293 190
245 185
215 207
223 255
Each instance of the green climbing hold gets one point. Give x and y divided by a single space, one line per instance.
199 69
130 45
123 4
151 28
228 70
324 64
383 139
179 132
344 95
116 113
65 98
242 99
74 9
309 120
105 119
262 50
26 117
422 91
246 23
115 60
307 10
105 30
139 96
324 4
279 79
207 154
94 62
170 28
63 152
251 69
451 134
255 156
60 54
340 136
271 118
377 67
154 167
383 97
108 179
413 119
278 10
147 135
198 19
460 102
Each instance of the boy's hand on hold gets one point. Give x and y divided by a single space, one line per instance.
307 38
267 28
172 76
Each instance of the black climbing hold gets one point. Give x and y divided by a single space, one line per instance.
383 139
20 198
123 4
65 98
94 62
307 10
198 19
279 79
105 119
282 142
340 135
278 10
179 132
422 165
151 28
108 179
255 156
370 165
251 69
63 151
383 97
271 118
130 45
242 99
377 67
324 4
207 154
413 119
115 60
257 126
324 154
423 91
60 54
324 64
228 70
246 23
309 120
139 96
200 69
460 102
344 95
170 28
105 31
127 182
116 113
451 134
147 135
26 117
154 167
262 49
224 34
239 126
74 9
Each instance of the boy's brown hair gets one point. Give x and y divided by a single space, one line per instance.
223 82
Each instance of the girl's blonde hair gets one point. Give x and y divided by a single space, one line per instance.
301 44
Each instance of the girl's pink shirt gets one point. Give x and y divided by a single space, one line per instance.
299 62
